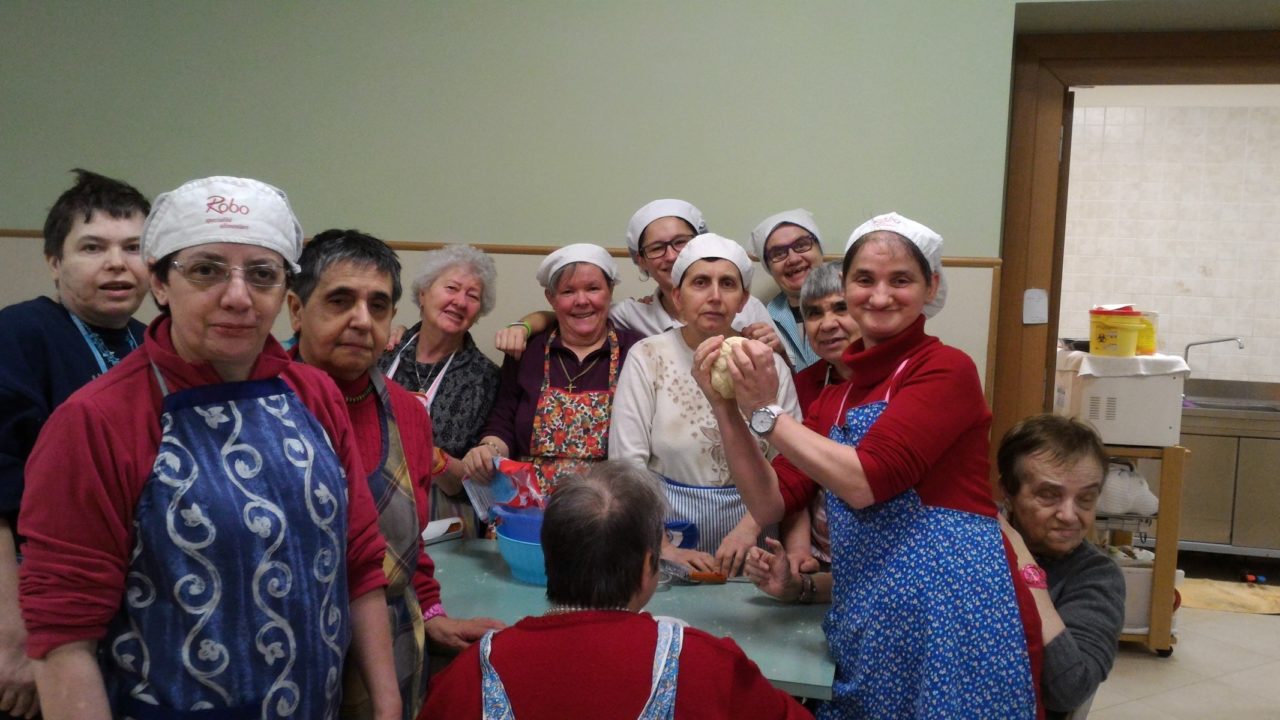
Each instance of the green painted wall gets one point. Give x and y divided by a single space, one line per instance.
522 122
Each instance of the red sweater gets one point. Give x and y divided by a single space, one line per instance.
93 459
415 435
932 437
603 668
810 382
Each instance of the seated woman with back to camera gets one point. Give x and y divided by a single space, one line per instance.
662 421
555 402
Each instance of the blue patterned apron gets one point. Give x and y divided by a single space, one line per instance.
236 595
924 621
661 704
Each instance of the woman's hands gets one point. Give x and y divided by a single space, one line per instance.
397 334
767 334
771 571
457 633
755 377
733 550
477 464
512 340
694 559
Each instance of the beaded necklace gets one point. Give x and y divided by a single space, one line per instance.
566 609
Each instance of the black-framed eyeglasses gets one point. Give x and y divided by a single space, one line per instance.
213 272
800 245
653 251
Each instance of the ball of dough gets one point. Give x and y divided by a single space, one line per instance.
721 380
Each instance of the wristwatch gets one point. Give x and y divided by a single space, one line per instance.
764 418
1035 577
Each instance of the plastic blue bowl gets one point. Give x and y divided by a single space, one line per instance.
523 524
524 558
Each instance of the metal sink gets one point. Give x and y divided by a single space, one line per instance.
1232 404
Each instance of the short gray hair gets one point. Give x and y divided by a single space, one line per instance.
596 533
436 262
821 281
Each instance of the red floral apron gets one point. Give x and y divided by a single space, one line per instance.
570 430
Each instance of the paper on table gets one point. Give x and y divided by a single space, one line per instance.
442 529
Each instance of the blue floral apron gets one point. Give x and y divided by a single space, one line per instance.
662 689
236 595
924 621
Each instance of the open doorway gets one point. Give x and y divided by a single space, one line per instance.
1173 205
1045 67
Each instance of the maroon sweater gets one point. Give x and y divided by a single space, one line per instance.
93 459
415 434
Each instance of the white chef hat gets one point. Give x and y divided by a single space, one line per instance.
710 245
576 253
929 242
761 234
668 207
222 209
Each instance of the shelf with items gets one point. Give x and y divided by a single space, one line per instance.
1159 636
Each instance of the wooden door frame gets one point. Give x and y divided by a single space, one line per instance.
1044 67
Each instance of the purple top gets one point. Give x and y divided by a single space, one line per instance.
520 383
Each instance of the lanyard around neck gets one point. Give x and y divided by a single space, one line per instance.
106 359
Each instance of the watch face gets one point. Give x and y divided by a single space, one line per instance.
762 420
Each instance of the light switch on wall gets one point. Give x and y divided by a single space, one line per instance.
1035 307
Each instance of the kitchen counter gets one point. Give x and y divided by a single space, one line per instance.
1232 481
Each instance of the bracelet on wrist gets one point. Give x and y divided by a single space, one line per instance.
528 329
808 589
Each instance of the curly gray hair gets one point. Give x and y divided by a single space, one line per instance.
436 262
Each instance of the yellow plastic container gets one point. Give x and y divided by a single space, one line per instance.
1147 335
1115 332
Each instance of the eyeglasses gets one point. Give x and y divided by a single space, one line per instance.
213 272
653 251
778 253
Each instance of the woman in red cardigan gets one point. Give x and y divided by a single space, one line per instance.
926 618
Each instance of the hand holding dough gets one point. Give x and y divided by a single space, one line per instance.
721 380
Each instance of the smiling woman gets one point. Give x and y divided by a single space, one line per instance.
439 360
555 402
662 421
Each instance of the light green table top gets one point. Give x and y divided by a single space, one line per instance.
786 641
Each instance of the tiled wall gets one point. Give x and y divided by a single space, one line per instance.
1177 210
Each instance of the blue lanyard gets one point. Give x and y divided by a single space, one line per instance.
106 359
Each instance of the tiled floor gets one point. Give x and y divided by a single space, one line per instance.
1225 665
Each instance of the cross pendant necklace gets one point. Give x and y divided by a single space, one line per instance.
573 378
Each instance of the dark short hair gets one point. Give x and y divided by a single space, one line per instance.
333 247
888 236
1060 439
597 529
91 192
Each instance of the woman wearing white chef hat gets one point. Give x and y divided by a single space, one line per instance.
656 235
789 245
660 420
219 559
901 449
554 403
